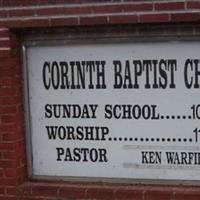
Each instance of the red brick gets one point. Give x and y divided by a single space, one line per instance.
6 72
150 18
7 119
4 53
8 198
193 4
108 9
9 155
21 160
3 13
10 172
30 2
64 21
34 198
10 81
2 190
97 193
126 194
21 12
11 190
45 191
7 146
8 110
13 2
10 100
95 1
24 190
123 19
185 17
22 171
182 196
28 23
9 137
72 192
4 33
7 128
21 179
20 132
7 91
20 147
138 7
45 2
77 10
158 195
6 81
1 170
7 163
19 118
64 1
64 11
169 6
93 20
10 62
5 43
11 72
48 11
8 181
35 2
20 109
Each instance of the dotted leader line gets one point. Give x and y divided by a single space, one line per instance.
136 139
175 117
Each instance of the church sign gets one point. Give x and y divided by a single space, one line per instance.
114 110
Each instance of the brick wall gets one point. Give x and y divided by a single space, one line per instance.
177 18
26 13
12 145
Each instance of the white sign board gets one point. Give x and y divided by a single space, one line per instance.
115 110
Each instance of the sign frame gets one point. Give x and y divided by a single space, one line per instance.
51 42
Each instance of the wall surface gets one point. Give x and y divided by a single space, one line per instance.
91 18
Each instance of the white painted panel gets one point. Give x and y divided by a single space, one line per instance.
147 128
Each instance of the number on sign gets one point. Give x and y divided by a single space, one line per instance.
196 131
195 111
